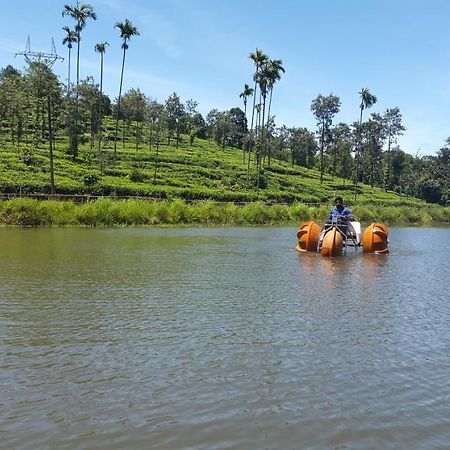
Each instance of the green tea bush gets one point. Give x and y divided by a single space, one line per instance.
137 175
90 179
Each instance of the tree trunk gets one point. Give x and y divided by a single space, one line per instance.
50 141
118 104
322 138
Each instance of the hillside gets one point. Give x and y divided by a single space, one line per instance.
191 172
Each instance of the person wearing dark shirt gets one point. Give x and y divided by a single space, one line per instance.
341 212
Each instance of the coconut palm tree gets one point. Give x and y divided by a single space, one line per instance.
80 13
367 101
70 37
127 30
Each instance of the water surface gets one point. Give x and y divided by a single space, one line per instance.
222 339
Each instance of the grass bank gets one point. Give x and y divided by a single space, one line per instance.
27 212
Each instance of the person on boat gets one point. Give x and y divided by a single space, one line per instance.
343 214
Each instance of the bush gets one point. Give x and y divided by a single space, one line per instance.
137 176
90 179
301 212
25 212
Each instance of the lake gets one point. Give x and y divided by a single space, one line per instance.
223 338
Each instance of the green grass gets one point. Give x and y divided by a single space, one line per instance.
108 212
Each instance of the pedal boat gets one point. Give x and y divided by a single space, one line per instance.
337 236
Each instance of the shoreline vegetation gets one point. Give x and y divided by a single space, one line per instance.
108 212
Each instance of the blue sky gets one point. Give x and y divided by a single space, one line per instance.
399 49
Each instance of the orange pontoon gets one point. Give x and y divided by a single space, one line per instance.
308 237
332 243
375 239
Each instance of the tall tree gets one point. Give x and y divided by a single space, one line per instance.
393 127
367 101
324 109
70 37
127 31
16 101
247 92
274 70
302 146
134 107
371 150
398 162
175 114
101 48
263 78
191 111
259 59
46 87
81 12
342 142
90 107
155 116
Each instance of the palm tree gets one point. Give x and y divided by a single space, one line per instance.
247 92
127 30
367 101
274 69
101 48
69 38
263 78
80 13
260 59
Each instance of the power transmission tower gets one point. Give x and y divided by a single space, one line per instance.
46 58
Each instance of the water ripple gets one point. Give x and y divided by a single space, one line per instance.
222 339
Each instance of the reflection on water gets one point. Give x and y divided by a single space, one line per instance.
222 339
